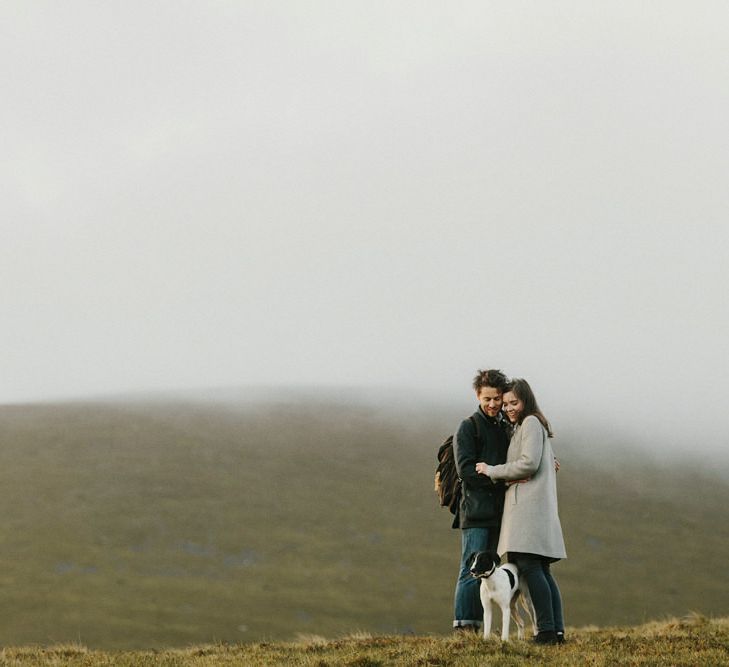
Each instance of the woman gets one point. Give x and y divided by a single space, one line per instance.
531 534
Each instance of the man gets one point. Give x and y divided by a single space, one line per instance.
481 437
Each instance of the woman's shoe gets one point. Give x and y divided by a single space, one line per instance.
546 637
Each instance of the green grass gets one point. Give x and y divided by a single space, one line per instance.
153 525
691 642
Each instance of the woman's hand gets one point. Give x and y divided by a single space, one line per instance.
481 468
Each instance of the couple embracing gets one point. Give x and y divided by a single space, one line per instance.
509 499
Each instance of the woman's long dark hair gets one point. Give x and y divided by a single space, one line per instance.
521 389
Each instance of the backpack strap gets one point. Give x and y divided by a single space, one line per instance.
474 421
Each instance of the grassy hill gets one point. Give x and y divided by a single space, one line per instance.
691 642
152 524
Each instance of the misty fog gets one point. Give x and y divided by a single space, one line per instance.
379 197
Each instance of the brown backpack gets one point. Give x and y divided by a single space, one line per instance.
447 482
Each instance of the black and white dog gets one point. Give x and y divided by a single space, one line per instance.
501 585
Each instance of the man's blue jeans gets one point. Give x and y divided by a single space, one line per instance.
468 609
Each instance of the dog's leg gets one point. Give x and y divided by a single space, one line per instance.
486 617
505 621
516 613
528 605
485 595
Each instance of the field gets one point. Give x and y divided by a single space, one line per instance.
690 642
157 524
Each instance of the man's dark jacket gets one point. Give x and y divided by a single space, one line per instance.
482 501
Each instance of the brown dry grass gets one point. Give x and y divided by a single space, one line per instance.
695 641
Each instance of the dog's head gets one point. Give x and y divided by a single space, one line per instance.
484 564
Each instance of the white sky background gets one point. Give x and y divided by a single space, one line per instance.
369 193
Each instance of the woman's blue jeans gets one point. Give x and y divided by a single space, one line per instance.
543 590
468 609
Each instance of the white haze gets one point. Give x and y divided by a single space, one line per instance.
371 194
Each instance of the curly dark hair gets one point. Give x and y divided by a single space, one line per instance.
490 378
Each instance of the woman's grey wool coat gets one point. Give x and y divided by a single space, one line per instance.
530 523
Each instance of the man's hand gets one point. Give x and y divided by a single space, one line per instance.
481 468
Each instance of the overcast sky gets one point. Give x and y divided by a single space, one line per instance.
368 193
